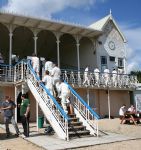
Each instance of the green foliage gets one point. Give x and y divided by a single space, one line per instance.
138 74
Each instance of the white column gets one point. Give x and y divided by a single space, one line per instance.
109 107
35 44
10 48
23 88
125 58
58 52
78 58
88 96
124 64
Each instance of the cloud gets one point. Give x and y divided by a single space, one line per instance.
133 36
45 8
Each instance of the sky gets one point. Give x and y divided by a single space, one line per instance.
127 14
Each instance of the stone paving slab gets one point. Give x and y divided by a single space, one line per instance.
54 143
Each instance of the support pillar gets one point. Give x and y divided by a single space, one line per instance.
78 57
88 96
109 106
35 44
10 47
58 52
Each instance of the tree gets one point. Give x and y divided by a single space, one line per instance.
138 74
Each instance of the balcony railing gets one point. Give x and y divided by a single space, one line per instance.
91 79
6 73
73 77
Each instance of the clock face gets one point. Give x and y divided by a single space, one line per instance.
111 45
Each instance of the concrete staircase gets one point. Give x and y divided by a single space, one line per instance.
76 128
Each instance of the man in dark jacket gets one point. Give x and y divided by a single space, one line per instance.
7 106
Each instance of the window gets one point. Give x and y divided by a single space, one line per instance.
103 63
103 60
112 58
120 62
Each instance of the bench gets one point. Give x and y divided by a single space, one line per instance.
130 117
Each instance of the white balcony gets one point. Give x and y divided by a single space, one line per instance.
99 80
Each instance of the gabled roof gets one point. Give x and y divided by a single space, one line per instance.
100 24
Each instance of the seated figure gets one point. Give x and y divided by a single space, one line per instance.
132 109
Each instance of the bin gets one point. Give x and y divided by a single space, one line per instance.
40 122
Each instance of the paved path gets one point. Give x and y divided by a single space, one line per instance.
54 143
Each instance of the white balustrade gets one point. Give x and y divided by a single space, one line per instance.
99 79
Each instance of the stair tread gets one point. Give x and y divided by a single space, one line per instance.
77 127
71 114
75 123
73 118
79 132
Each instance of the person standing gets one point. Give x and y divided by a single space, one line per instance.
56 73
86 76
47 79
97 76
35 63
64 94
49 65
8 107
106 76
25 114
114 77
122 112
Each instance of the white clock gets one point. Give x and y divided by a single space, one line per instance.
111 45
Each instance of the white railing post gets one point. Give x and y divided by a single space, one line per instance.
22 71
79 79
67 132
15 74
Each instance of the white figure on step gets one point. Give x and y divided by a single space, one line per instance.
64 94
48 80
49 66
35 63
56 73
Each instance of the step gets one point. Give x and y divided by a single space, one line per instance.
72 115
78 133
74 120
76 128
76 123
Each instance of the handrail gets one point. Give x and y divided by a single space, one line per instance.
22 60
83 102
47 91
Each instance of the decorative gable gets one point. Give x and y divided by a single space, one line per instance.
107 22
114 43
